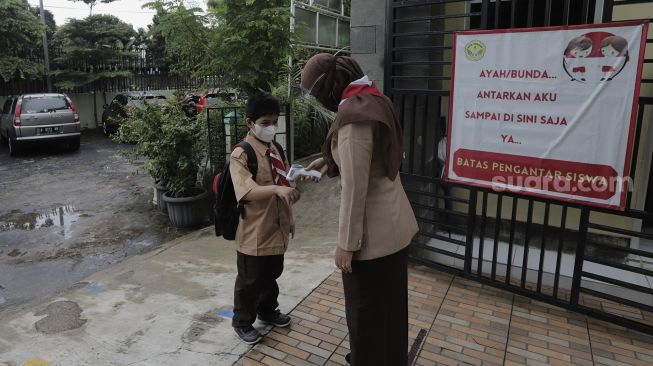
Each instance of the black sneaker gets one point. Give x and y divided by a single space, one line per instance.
248 334
277 318
348 358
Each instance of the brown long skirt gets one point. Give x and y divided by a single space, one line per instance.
376 304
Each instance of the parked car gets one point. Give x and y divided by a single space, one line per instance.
39 117
123 105
204 100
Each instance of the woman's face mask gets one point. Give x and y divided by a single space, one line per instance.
306 93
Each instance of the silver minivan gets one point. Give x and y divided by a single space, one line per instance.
39 117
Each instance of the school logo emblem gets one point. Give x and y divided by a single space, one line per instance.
475 50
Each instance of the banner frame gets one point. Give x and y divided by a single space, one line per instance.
633 116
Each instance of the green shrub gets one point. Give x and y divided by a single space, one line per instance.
310 120
173 144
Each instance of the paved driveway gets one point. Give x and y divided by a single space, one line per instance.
66 215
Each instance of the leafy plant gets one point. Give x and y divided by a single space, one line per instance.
20 41
50 24
310 119
251 41
183 34
92 3
173 144
90 48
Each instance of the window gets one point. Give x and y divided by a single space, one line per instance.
6 109
119 100
327 31
322 24
212 99
44 104
156 100
343 33
333 5
305 25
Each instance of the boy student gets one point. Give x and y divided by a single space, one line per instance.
263 231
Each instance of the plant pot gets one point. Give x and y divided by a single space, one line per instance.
187 212
160 190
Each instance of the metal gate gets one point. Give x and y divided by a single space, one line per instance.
227 126
595 261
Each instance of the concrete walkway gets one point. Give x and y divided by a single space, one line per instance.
173 307
168 307
454 321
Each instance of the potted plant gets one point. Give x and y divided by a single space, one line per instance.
144 129
174 146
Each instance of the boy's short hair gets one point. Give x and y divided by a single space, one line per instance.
261 104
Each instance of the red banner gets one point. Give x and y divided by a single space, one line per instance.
569 177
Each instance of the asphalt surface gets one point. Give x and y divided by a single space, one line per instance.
65 215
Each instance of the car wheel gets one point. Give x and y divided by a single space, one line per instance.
14 147
73 144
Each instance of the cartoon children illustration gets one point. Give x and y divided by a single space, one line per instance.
577 49
615 51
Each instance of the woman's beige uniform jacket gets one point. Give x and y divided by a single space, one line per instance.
376 218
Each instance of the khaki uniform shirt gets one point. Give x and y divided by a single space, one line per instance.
265 228
376 218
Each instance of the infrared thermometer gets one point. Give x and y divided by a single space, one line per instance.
296 171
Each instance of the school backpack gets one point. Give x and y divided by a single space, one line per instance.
226 209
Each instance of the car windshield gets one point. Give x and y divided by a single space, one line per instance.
212 99
44 104
158 100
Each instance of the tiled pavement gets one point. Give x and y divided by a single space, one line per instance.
465 323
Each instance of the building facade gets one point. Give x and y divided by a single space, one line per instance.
570 255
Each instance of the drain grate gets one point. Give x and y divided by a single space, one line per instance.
417 345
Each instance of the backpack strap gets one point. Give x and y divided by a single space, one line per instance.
252 160
281 152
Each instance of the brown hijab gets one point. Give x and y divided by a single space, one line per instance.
326 76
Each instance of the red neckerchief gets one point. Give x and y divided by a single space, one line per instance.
362 88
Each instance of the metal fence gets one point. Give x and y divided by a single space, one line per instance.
227 126
582 258
145 73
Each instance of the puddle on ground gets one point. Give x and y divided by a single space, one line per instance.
60 218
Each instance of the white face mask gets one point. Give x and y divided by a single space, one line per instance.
265 134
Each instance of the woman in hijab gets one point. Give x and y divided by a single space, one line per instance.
376 224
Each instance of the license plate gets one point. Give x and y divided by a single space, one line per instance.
49 130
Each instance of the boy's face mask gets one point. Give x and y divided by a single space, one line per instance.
265 134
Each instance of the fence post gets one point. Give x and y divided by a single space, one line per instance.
606 12
580 255
471 223
485 14
216 140
290 136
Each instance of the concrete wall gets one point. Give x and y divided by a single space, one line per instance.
368 37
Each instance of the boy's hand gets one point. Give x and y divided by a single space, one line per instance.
343 260
319 165
288 195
